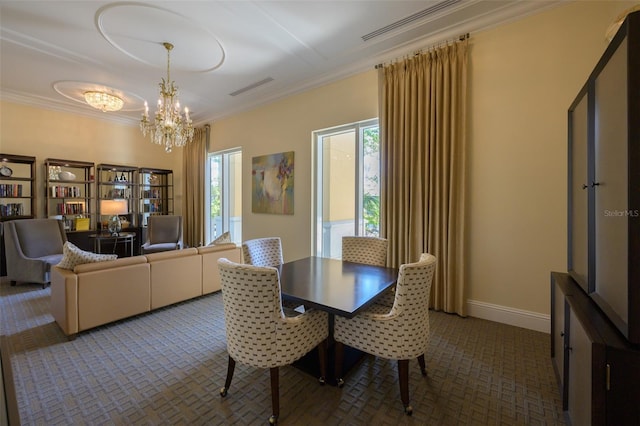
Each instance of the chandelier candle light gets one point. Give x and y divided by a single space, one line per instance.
169 128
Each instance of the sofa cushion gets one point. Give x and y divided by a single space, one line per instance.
225 238
109 264
72 256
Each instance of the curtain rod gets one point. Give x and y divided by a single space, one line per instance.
461 37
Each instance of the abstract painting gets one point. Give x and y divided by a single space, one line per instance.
272 183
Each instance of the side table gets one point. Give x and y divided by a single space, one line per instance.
124 237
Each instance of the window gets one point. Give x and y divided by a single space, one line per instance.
347 185
224 200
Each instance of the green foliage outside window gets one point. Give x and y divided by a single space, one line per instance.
371 202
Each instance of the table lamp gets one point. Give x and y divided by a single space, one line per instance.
113 208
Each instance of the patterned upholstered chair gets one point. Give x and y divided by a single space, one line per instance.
400 333
370 251
265 252
258 333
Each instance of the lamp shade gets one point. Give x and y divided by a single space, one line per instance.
113 207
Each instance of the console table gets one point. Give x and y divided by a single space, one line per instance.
127 238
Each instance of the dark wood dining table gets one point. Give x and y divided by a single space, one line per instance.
332 285
337 287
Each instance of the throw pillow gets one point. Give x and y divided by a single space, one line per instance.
225 238
72 256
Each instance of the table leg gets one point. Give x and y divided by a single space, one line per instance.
350 358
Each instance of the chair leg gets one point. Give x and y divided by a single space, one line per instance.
339 357
322 353
275 395
403 378
423 367
231 366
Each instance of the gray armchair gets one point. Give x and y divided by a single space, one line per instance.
31 247
164 233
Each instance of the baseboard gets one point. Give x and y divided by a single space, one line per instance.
511 316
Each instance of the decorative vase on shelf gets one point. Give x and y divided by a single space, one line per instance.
66 176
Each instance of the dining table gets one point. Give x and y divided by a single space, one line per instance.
337 287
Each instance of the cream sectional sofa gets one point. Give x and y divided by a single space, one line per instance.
94 294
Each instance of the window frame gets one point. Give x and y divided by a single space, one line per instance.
317 181
225 208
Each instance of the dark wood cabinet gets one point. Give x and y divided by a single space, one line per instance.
604 182
595 307
17 187
598 370
155 193
116 193
17 193
69 195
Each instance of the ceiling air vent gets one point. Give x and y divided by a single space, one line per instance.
251 86
411 18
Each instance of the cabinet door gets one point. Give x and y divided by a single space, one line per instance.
623 387
611 191
560 307
579 377
578 191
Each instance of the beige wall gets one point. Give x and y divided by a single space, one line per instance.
284 126
523 78
46 134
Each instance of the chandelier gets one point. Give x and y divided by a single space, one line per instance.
103 101
168 128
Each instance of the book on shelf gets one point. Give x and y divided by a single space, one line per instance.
11 190
11 209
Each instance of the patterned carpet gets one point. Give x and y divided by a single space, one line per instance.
167 367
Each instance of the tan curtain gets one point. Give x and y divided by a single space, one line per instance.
422 133
193 169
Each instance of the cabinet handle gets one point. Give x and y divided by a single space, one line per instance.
562 334
593 184
608 378
585 186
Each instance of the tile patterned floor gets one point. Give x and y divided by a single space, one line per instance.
167 367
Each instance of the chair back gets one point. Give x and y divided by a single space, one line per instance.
263 252
36 237
251 298
411 303
164 229
367 250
